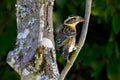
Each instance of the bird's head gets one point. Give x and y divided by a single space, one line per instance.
73 20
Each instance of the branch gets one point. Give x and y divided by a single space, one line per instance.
81 40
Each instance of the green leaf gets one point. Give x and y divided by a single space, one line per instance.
92 55
116 23
117 3
113 69
83 52
98 68
98 7
110 48
9 74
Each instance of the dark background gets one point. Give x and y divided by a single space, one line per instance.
99 59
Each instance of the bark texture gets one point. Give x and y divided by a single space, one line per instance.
34 55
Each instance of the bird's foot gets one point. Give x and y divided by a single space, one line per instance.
68 61
75 47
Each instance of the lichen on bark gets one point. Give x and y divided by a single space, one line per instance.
32 58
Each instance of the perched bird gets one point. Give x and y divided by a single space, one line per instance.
66 37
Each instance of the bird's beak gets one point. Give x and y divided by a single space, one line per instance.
81 20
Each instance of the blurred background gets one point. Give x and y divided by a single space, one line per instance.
99 58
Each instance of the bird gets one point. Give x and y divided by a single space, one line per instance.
66 36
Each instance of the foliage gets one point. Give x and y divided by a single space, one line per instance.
100 56
99 59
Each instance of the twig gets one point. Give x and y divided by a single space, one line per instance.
81 40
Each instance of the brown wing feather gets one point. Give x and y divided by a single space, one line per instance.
64 36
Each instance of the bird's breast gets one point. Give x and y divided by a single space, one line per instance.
72 44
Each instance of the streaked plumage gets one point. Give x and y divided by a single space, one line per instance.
66 37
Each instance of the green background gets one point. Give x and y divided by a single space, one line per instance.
99 59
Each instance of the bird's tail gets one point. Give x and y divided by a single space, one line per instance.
65 52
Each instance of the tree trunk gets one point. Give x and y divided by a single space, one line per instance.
34 55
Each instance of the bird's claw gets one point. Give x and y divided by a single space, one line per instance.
68 61
75 47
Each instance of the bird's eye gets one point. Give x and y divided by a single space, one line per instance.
74 18
71 15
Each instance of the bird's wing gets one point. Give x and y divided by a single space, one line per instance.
64 36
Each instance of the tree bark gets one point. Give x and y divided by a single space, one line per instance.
34 55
